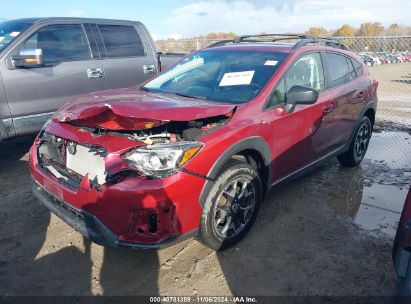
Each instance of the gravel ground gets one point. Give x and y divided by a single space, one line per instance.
327 233
394 92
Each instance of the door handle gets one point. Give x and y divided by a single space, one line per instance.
361 95
94 73
149 68
328 109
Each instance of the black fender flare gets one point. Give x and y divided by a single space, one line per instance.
255 143
371 105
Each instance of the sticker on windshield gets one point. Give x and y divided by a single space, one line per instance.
14 34
271 62
237 78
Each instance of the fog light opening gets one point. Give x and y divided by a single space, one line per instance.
152 222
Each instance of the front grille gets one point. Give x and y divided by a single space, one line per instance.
70 162
86 161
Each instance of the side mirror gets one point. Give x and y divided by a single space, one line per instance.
29 58
300 95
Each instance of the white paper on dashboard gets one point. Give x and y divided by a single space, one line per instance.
271 62
237 78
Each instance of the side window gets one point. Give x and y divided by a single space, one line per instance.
350 69
278 96
65 42
357 67
306 71
121 41
340 69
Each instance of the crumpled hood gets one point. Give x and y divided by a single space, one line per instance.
132 109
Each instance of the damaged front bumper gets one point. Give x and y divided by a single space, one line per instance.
90 226
130 210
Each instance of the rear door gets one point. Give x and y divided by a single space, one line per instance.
349 95
70 69
128 55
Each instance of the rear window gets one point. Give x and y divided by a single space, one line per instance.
340 69
121 41
357 67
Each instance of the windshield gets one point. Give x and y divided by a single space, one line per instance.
231 76
10 30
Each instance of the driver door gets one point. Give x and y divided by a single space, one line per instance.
299 138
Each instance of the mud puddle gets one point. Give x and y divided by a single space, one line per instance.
375 192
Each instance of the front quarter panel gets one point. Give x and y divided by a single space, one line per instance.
246 131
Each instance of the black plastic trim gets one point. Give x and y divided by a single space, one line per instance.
255 143
371 105
302 40
197 175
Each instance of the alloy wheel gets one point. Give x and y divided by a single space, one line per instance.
234 207
361 142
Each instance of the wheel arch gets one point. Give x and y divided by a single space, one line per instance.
369 110
254 150
370 113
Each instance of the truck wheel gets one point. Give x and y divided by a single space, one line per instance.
358 145
231 206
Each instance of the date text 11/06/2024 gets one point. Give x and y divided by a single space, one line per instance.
202 299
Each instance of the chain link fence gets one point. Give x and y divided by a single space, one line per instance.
388 59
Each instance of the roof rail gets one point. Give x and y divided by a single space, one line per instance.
328 41
289 36
303 40
221 42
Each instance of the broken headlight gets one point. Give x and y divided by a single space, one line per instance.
163 159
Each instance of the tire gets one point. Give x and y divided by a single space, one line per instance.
358 146
225 206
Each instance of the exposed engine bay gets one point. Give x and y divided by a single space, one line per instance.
167 148
169 131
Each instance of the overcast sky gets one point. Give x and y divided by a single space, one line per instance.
184 18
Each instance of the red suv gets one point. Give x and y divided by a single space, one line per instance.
194 150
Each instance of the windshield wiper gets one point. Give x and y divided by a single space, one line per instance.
175 93
190 96
145 89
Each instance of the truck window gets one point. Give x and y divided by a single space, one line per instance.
64 42
121 41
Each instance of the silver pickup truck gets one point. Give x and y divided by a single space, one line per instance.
46 62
